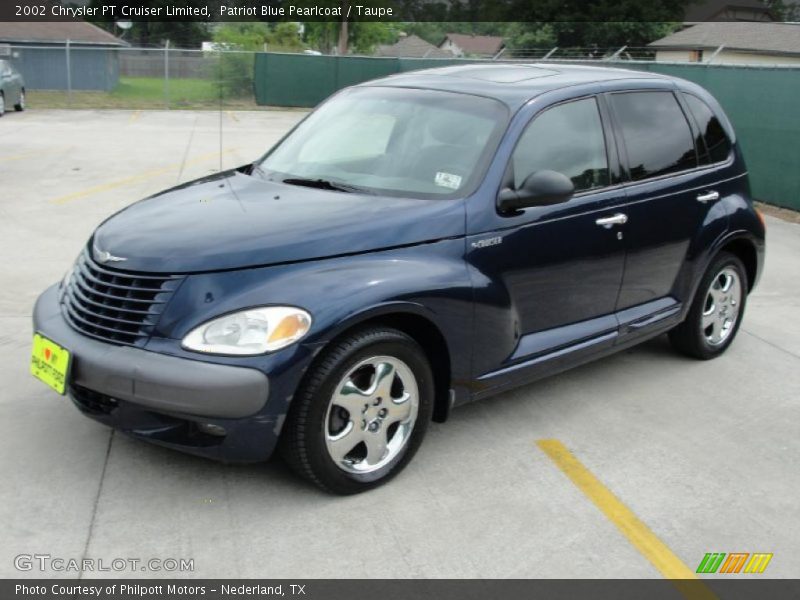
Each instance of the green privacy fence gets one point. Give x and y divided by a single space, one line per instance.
306 80
762 102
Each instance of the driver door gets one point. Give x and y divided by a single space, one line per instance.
553 273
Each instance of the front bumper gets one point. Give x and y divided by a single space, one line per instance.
165 399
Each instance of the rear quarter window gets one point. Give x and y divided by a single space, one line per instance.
716 145
657 136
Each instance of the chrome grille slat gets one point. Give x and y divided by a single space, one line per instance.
74 313
76 291
86 272
105 316
91 290
115 273
117 306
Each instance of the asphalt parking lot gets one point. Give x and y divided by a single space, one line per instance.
704 454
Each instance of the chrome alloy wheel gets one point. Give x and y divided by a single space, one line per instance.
371 414
721 308
2 104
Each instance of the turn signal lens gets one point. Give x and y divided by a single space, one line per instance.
291 327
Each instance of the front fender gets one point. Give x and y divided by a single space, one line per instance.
429 280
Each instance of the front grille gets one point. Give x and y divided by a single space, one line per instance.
113 305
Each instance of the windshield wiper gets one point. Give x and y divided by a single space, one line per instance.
327 184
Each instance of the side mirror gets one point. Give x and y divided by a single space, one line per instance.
542 188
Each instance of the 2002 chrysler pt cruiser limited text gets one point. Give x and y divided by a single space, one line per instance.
415 243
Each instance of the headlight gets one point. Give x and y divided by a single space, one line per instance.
252 331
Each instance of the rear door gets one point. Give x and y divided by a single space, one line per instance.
668 201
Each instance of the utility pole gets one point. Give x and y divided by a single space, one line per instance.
343 30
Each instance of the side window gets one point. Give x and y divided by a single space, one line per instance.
656 133
717 143
567 138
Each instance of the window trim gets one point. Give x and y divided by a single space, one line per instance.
623 148
613 166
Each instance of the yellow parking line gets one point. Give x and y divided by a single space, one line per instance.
638 534
103 187
25 155
135 115
232 116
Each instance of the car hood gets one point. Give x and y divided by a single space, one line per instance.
234 220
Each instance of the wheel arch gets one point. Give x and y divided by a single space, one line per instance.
414 321
744 250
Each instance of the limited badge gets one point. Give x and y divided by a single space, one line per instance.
448 180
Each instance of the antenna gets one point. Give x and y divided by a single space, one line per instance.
221 79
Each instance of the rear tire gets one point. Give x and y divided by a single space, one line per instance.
361 412
716 311
20 106
2 104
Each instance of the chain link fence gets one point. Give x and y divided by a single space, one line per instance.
75 76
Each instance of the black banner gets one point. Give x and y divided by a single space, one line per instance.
403 589
351 10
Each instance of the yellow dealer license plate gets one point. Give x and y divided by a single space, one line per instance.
50 363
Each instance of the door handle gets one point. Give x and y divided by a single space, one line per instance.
609 222
708 197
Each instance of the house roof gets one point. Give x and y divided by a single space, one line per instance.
412 46
725 10
46 32
778 38
476 44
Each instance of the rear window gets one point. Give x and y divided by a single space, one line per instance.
657 136
716 145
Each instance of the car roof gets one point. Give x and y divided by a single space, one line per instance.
511 83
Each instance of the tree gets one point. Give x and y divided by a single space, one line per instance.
255 35
783 10
531 35
612 34
234 69
575 33
362 36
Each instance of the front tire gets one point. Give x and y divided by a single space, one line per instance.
716 311
361 412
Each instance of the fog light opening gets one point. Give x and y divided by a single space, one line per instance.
212 429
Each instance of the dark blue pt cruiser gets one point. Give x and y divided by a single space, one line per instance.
415 243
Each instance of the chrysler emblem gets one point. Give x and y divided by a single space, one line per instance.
104 256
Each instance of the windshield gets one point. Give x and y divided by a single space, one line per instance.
395 141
